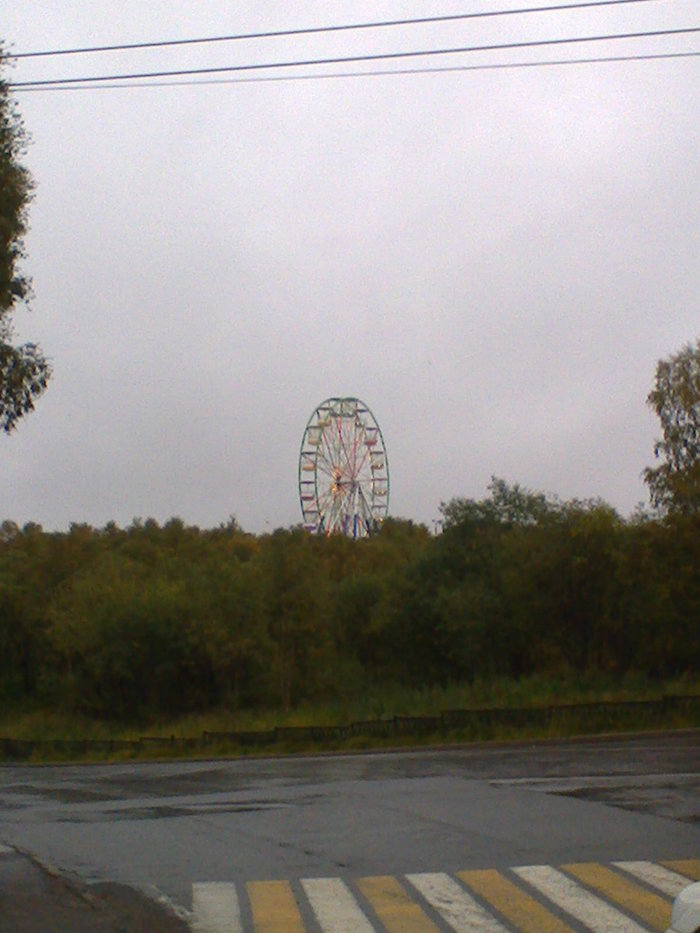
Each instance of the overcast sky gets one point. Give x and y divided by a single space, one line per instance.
492 260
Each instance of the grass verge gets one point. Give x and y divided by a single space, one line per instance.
393 717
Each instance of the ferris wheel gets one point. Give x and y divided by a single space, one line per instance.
343 470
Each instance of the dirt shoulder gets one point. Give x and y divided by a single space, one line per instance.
35 899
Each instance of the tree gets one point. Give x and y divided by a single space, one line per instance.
507 505
675 484
296 597
24 372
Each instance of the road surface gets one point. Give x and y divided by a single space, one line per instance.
583 835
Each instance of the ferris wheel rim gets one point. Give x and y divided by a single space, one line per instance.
343 475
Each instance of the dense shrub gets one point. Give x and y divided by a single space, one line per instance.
126 623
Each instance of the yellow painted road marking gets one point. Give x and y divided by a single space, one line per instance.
592 912
650 908
687 866
462 912
394 907
274 907
667 881
523 911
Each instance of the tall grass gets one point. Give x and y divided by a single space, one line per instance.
37 724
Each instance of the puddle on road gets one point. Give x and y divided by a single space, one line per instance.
673 796
60 794
168 811
670 801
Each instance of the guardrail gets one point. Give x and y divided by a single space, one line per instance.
479 723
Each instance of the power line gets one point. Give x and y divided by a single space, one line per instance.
366 74
385 56
314 30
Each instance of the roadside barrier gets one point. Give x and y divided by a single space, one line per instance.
480 723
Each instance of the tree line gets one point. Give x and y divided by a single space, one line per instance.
162 620
125 623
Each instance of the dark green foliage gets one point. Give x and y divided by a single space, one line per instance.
675 484
24 373
294 602
150 620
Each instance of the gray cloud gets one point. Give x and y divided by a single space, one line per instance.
493 261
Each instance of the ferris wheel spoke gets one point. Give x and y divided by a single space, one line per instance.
326 510
337 461
359 443
325 501
330 501
367 509
356 513
366 453
324 467
365 458
324 448
347 456
338 442
354 448
328 461
330 457
334 513
365 504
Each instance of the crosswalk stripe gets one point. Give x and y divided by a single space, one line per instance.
335 908
603 899
458 908
670 882
593 912
274 907
650 908
687 866
394 907
215 908
523 911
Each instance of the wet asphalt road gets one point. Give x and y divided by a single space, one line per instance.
162 827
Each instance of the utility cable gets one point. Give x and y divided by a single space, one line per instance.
260 79
315 30
347 59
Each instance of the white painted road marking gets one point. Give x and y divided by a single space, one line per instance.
458 908
215 908
592 911
339 906
335 908
667 881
